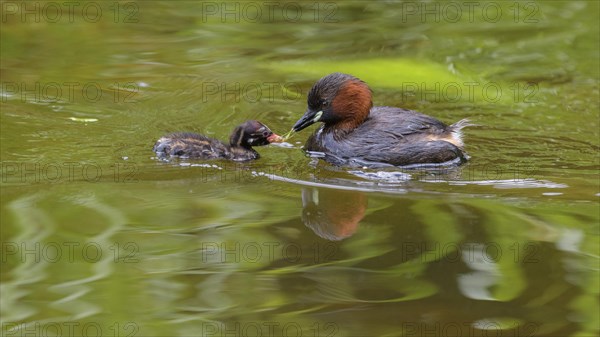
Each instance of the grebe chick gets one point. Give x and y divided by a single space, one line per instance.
195 146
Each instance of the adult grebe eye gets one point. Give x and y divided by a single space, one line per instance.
325 104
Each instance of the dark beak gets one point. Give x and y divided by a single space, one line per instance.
310 117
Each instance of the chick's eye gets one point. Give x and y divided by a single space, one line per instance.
265 133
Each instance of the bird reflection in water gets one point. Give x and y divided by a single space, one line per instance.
333 214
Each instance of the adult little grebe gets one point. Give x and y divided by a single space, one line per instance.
354 129
192 145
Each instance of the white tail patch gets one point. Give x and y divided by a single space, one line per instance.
456 138
455 135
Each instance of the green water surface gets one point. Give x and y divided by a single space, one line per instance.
101 238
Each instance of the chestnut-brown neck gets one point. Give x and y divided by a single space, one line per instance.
352 104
